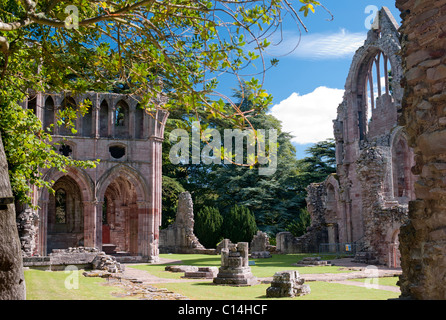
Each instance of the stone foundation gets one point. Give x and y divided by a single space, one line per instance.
312 262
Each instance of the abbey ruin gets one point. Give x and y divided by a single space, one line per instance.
116 206
386 199
365 203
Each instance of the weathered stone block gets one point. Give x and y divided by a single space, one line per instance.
287 284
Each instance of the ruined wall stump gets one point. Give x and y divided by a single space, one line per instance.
287 284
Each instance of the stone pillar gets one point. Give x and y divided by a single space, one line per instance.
423 238
91 226
111 121
56 111
95 116
131 126
157 121
43 227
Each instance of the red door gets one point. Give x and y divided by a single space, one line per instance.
105 234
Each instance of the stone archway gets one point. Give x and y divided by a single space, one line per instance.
81 192
65 215
120 217
123 191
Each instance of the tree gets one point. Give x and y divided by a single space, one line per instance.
320 163
171 188
208 224
152 49
299 225
12 279
239 224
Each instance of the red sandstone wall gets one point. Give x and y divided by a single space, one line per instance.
423 239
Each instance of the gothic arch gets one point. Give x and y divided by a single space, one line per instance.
83 180
121 119
379 50
48 112
67 102
126 172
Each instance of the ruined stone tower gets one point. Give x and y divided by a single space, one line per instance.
118 203
366 201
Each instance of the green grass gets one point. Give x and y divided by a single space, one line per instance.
387 281
206 290
319 291
44 285
263 267
50 285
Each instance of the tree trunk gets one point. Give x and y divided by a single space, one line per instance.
12 280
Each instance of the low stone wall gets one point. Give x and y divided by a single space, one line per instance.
80 257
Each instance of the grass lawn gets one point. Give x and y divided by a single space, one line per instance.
387 281
319 291
50 285
203 290
263 267
45 285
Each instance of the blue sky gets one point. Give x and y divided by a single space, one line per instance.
308 83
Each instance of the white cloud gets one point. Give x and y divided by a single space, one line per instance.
309 118
320 46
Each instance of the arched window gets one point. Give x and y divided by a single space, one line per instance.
48 114
120 116
61 206
103 119
378 81
374 79
87 119
139 122
67 104
121 120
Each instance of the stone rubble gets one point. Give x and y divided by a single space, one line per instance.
287 284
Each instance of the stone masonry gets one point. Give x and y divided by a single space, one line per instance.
179 237
366 201
117 203
260 247
423 237
287 284
235 269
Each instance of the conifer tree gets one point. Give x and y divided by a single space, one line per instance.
239 224
207 226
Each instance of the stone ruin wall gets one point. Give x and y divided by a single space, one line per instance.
423 238
365 203
128 182
179 237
